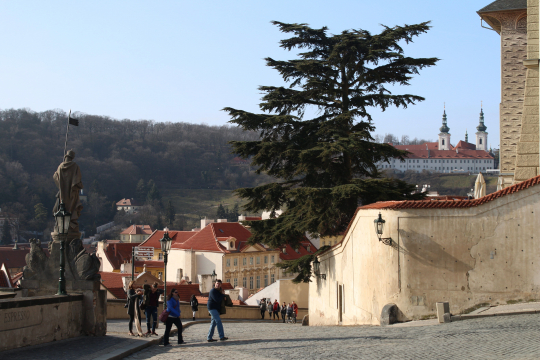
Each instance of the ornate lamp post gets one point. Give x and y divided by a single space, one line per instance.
165 248
62 218
379 228
317 269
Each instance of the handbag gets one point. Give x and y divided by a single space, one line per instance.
164 315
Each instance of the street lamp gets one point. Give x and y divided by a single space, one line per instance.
165 248
379 227
214 277
317 269
62 218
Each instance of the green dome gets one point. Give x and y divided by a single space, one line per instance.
481 127
444 128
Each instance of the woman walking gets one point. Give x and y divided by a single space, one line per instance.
283 311
270 308
151 309
134 311
173 307
194 305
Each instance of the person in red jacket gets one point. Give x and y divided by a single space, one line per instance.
276 309
295 308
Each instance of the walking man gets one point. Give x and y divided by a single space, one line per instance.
214 305
262 307
276 309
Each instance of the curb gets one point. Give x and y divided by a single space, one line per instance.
479 316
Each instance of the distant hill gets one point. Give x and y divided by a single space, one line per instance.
114 155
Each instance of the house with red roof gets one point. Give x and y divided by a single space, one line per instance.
130 206
466 252
113 255
223 247
443 157
136 233
15 258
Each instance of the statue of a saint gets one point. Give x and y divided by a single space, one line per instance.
68 180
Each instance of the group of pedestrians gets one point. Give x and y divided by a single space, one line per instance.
146 300
287 311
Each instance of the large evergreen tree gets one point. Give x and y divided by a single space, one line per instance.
6 233
325 165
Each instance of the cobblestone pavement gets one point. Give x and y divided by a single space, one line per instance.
500 337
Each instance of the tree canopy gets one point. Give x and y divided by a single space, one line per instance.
324 166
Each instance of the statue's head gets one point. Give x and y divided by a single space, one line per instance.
70 155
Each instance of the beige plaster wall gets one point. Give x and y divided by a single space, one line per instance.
40 323
486 254
289 292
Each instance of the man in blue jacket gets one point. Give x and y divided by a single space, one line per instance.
214 305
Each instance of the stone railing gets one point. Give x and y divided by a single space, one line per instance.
116 310
40 319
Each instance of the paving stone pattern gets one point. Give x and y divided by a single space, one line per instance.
500 337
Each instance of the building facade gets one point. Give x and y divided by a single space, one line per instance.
136 234
443 157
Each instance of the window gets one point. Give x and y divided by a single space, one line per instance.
265 280
442 141
228 280
258 260
228 262
251 261
251 282
235 262
266 259
258 281
272 259
480 141
244 282
160 257
272 279
160 275
235 282
244 261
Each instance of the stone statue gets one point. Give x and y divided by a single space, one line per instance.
68 179
36 260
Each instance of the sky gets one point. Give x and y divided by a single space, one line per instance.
184 61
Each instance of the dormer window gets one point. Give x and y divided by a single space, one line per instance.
232 244
309 248
284 250
297 251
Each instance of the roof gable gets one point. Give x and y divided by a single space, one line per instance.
178 237
503 5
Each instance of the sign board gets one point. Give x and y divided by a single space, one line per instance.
144 252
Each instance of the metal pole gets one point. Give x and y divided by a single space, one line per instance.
165 282
62 280
133 263
67 132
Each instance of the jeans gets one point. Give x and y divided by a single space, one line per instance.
262 313
216 321
151 312
168 326
276 314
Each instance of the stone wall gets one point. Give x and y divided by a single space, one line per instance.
116 310
527 161
41 319
468 256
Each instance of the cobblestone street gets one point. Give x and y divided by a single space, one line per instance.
504 337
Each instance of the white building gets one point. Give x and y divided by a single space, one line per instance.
442 156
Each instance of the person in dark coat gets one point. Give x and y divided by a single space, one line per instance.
262 307
151 302
134 297
215 298
194 305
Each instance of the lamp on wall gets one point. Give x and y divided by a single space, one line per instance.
62 218
214 276
379 228
317 269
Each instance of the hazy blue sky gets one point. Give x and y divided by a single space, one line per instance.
186 60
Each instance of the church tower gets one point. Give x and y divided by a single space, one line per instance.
444 136
481 135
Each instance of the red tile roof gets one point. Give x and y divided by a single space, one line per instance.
227 286
154 264
207 238
292 254
15 258
184 290
465 145
16 277
114 283
430 204
253 218
177 237
445 154
137 230
128 202
118 253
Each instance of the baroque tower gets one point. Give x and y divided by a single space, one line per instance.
481 135
444 136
